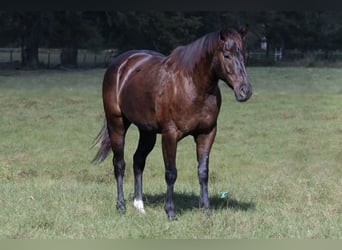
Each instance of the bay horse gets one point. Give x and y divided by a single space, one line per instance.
175 96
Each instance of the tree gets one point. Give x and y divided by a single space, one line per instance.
155 30
27 30
161 31
73 30
331 30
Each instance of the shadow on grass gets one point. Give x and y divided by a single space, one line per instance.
190 201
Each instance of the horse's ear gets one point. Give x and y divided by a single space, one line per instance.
223 21
222 32
243 31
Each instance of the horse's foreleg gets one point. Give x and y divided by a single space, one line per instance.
145 146
203 146
169 146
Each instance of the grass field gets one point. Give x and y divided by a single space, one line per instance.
279 157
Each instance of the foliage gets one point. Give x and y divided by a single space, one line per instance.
161 31
164 30
74 30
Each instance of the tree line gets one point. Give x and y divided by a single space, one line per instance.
160 30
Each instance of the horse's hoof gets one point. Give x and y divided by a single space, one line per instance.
139 204
172 218
207 211
121 208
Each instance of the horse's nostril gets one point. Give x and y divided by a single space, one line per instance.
243 91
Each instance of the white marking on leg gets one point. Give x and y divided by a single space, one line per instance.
139 204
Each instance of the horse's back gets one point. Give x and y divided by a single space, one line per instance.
122 57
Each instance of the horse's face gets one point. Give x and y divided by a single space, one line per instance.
229 63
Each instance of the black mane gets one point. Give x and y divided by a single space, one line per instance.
187 56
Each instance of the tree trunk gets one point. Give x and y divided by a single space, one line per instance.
29 54
69 57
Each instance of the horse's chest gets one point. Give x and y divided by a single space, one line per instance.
208 117
196 116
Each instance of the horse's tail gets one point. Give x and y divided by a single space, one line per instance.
105 147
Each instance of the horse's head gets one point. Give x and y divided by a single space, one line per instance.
229 62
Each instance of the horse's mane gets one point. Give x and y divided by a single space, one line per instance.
187 56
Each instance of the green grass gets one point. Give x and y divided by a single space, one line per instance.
278 156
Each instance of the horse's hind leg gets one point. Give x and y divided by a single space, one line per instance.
146 143
117 128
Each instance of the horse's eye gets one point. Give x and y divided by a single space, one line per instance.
226 56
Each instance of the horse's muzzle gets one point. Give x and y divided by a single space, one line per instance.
243 93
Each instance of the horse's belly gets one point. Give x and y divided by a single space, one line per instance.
138 107
144 122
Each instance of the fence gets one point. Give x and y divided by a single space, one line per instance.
280 55
50 58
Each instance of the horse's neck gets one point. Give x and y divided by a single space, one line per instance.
204 77
194 61
203 73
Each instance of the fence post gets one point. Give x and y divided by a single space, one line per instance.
278 54
95 60
48 59
11 55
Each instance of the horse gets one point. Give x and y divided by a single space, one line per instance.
175 96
